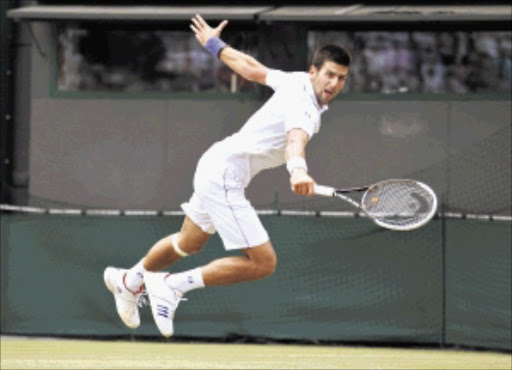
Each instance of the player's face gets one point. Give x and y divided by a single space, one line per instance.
328 81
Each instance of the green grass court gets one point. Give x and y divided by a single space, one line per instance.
43 353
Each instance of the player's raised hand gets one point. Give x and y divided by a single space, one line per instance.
203 31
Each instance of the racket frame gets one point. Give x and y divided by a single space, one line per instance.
329 191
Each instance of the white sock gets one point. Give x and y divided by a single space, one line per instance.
185 281
135 276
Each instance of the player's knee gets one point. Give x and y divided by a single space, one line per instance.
264 260
191 248
185 246
271 266
267 265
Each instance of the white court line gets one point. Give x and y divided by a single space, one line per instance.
56 211
290 212
136 212
173 213
262 212
103 212
8 207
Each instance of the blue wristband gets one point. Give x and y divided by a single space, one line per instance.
214 45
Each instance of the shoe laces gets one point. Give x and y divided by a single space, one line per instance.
178 300
142 299
175 305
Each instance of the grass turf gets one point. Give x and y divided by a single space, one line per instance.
23 353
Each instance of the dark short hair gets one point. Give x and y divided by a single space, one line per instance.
334 53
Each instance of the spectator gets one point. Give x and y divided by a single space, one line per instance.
433 78
446 62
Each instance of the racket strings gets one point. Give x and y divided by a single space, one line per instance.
399 203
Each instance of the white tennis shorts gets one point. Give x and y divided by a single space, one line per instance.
219 203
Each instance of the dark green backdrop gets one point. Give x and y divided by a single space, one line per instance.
340 279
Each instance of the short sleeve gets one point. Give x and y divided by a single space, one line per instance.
294 101
276 78
300 116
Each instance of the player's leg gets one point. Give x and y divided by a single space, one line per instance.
126 285
240 229
226 210
257 263
166 290
190 240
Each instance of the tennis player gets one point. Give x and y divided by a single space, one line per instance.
276 134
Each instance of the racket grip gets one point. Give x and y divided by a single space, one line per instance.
325 191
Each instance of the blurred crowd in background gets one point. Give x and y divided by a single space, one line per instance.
426 62
383 62
143 61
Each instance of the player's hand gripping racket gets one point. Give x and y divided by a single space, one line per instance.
397 204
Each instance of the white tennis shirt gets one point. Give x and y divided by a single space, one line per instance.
261 142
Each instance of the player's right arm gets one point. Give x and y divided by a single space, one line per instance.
295 155
241 63
245 65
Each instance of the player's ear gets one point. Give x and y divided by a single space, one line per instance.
312 70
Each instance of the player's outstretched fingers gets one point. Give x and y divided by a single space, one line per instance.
201 21
221 26
197 23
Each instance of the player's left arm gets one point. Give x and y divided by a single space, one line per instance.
241 63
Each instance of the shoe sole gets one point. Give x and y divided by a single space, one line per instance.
109 287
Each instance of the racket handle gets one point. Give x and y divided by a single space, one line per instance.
325 191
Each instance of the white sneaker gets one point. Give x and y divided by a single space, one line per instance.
164 301
126 300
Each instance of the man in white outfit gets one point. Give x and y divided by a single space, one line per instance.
276 134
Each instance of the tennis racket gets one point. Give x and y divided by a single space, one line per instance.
396 204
